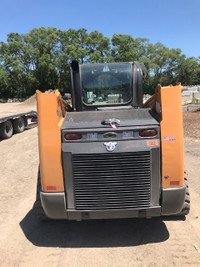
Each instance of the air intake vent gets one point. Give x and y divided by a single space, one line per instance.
112 180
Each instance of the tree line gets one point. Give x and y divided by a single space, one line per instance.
41 59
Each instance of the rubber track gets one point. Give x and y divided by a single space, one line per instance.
38 205
186 205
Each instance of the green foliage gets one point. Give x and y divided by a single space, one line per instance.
194 100
124 48
41 59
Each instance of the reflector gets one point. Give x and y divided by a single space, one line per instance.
51 187
174 183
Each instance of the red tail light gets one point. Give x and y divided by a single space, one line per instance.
73 136
148 133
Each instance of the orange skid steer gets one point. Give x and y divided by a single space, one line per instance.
109 155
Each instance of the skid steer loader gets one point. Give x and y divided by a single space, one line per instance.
110 156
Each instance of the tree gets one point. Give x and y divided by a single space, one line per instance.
15 61
98 47
123 48
41 59
42 45
188 71
4 85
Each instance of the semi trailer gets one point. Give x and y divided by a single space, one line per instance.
15 123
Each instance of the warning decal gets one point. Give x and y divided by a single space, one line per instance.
169 138
152 143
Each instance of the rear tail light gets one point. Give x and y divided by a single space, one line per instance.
73 136
148 133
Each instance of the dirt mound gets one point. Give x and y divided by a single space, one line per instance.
191 124
196 110
30 101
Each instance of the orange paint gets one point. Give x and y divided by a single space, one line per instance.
166 102
50 118
172 146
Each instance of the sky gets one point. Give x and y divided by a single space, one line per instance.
175 23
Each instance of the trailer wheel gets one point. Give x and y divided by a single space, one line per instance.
38 205
186 206
6 129
19 125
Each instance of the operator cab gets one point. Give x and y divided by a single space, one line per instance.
106 85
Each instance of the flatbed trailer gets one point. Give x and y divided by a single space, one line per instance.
15 123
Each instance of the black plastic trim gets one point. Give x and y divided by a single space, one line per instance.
173 200
114 214
54 205
136 84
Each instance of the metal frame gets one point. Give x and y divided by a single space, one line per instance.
137 95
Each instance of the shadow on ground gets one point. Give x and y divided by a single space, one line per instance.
93 233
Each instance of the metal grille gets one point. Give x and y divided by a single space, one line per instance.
112 180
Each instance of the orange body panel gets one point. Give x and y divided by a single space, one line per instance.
50 118
172 145
166 102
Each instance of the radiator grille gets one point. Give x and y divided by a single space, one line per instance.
112 180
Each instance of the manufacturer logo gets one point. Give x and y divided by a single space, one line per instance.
110 146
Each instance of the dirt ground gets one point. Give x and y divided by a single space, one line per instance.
7 109
25 241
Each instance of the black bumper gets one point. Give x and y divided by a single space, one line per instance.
54 205
173 200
